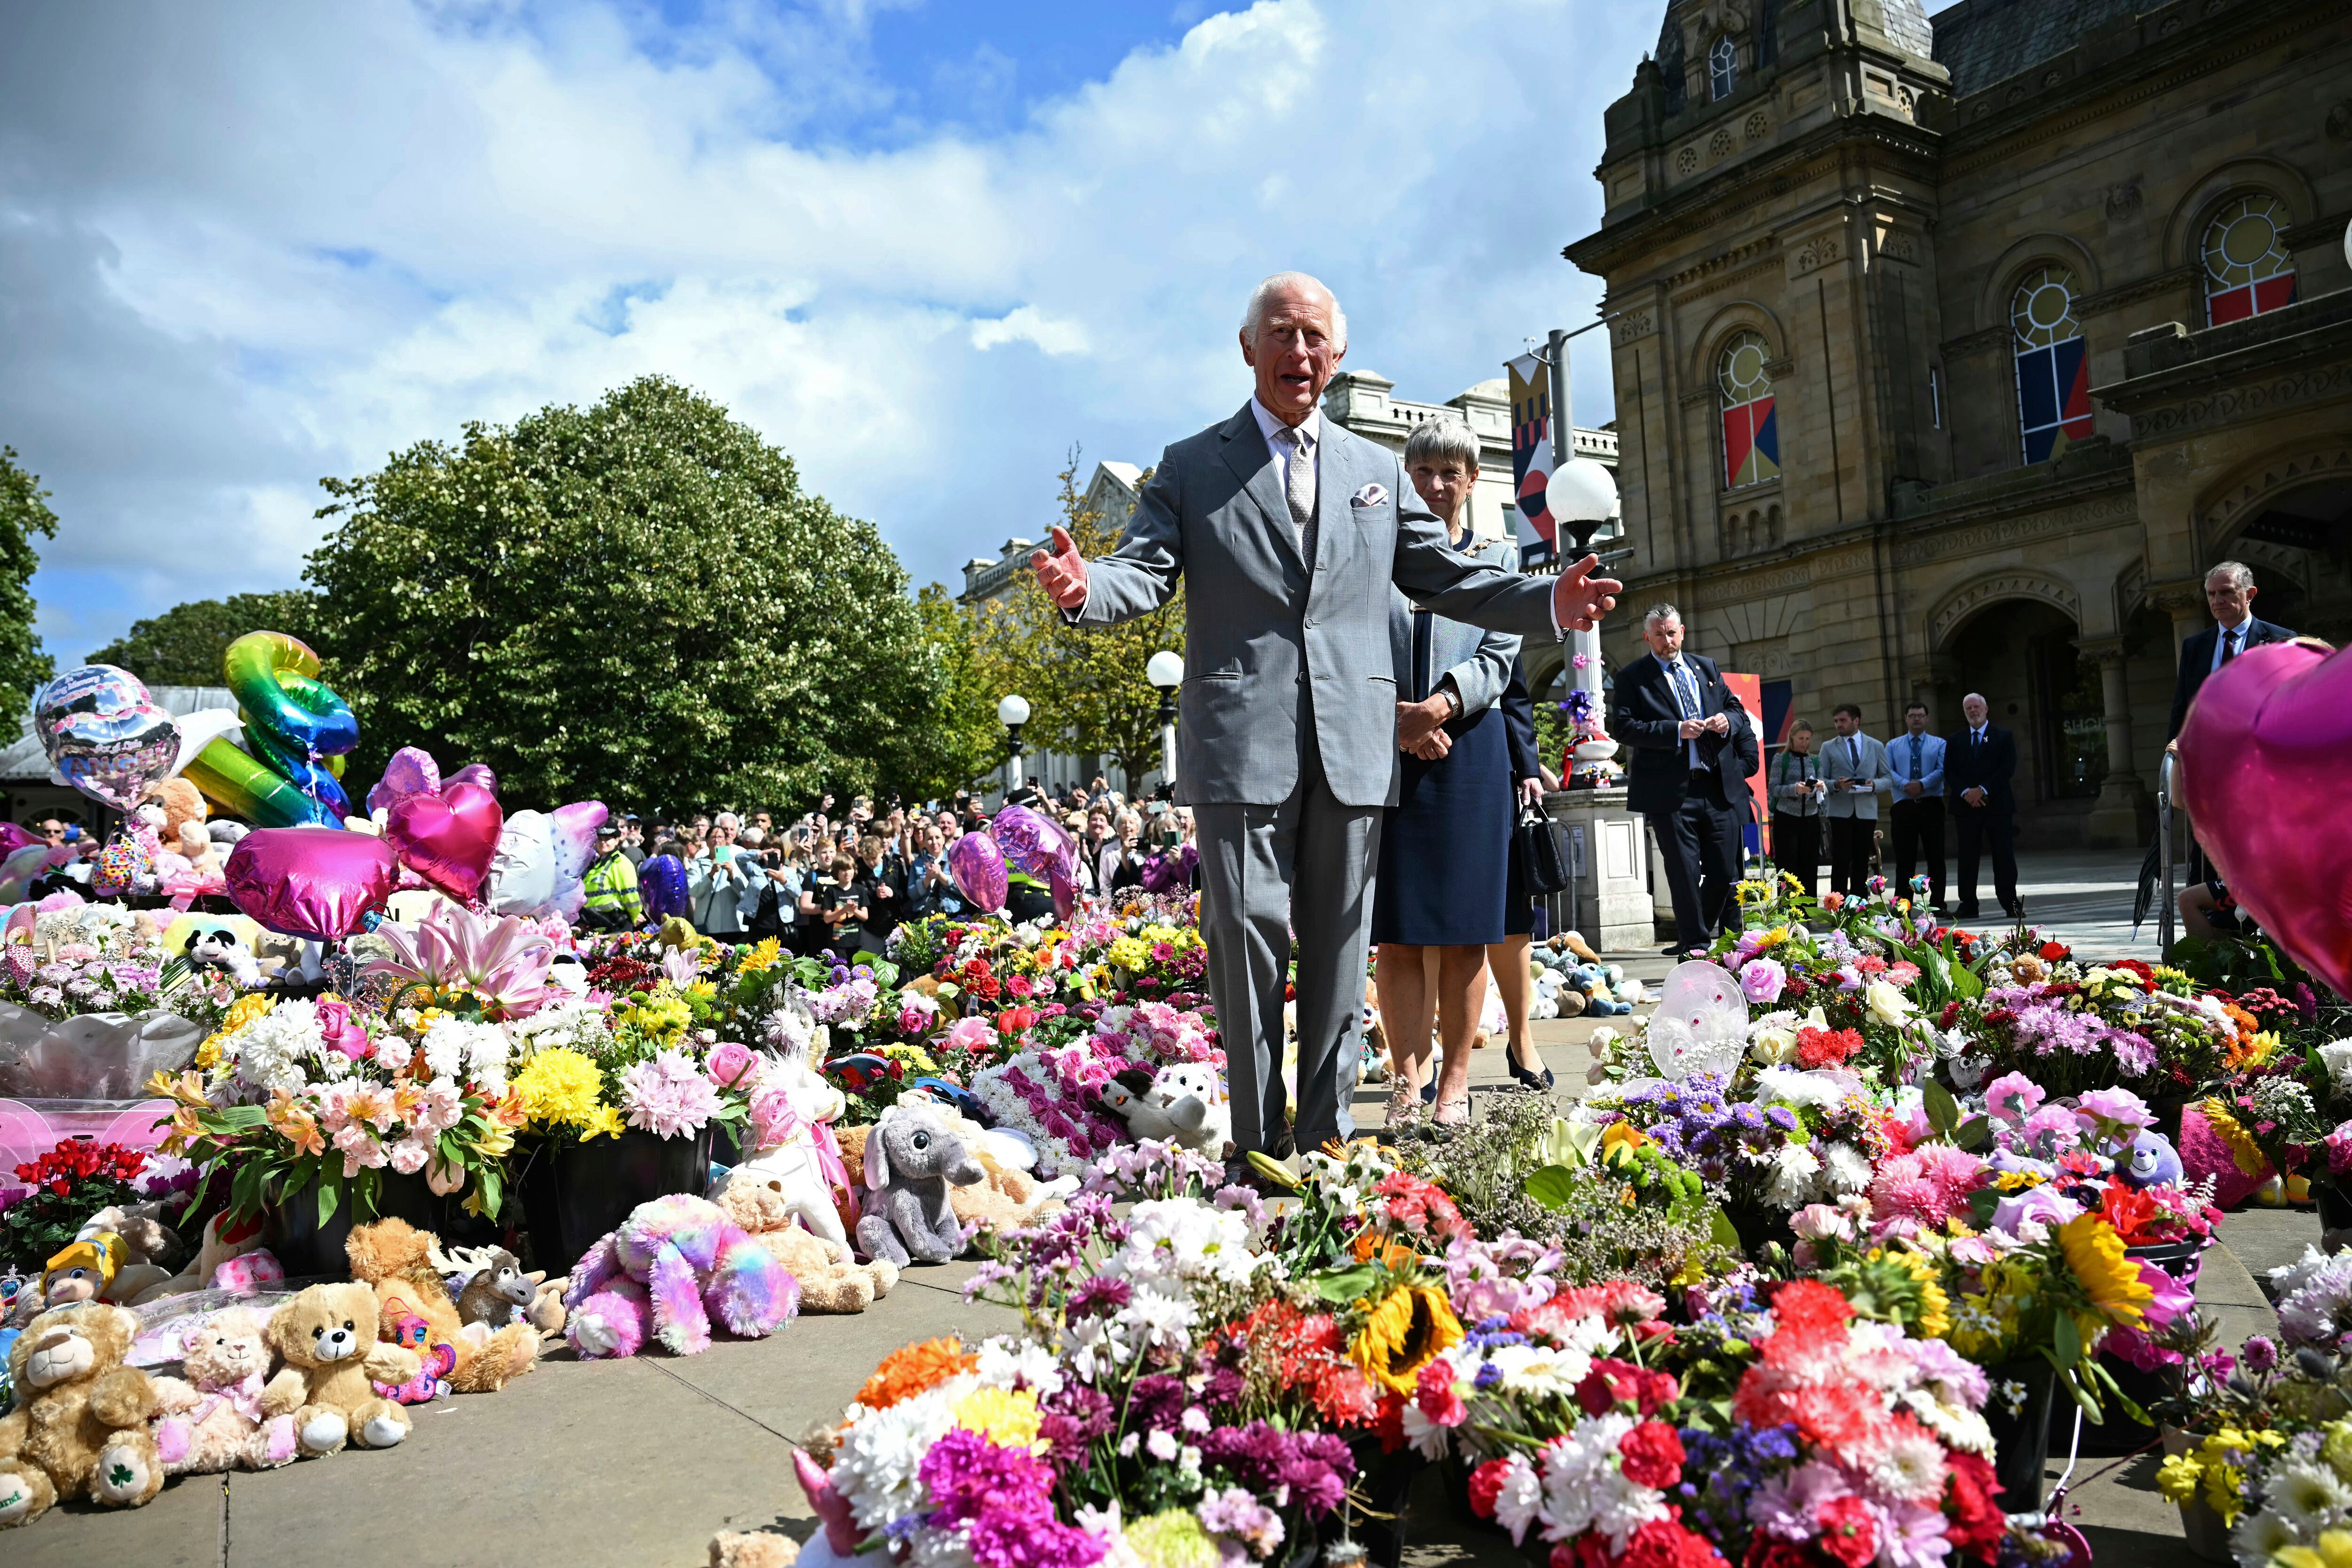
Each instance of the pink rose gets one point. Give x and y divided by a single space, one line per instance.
344 1031
729 1064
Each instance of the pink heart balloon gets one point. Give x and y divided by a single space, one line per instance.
2262 760
309 882
411 771
448 839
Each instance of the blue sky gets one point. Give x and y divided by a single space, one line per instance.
925 248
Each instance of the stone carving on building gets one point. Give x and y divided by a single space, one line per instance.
1959 606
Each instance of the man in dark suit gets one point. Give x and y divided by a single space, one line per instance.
1728 786
1980 773
1671 709
2230 595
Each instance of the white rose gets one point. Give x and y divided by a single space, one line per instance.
2336 1056
1775 1046
1887 1003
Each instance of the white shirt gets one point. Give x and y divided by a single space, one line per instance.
2223 641
1675 670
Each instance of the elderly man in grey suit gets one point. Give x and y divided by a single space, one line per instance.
1289 532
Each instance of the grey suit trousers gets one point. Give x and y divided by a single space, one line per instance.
1253 861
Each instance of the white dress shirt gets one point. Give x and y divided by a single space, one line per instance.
1676 672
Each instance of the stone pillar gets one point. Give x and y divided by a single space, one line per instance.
1609 848
2185 602
2114 820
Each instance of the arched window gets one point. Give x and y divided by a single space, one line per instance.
2248 268
1722 69
2054 370
1751 440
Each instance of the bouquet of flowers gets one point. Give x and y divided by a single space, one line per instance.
298 1094
581 1075
1053 1094
68 1185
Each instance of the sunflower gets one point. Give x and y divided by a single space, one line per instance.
761 955
1410 1327
2243 1151
2104 1269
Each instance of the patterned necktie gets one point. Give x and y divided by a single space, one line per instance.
1299 485
1916 775
2230 645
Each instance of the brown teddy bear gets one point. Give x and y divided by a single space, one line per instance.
79 1427
327 1338
404 1267
213 1419
183 831
829 1281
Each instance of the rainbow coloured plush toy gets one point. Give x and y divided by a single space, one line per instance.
676 1264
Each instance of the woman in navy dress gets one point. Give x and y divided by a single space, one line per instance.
1445 846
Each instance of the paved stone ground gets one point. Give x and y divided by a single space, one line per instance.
637 1463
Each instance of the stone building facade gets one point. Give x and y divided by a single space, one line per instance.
1949 352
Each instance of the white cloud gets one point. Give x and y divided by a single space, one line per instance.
1030 325
243 247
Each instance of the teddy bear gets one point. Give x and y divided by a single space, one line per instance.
674 1265
212 1418
327 1336
404 1267
80 1425
183 832
1180 1104
910 1160
792 1143
830 1281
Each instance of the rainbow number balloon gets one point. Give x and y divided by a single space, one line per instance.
297 731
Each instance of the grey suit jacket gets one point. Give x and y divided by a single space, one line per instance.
1861 758
1479 661
1266 647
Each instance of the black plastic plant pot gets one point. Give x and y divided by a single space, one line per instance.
307 1249
2022 1440
2119 1434
574 1193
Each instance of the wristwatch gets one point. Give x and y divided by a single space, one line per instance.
1452 700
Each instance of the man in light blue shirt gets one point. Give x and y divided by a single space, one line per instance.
1916 761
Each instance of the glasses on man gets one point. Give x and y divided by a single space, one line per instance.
56 831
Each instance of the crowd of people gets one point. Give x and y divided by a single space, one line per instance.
842 878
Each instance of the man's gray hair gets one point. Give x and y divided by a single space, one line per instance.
2240 575
726 819
1254 316
1658 613
1443 439
1974 697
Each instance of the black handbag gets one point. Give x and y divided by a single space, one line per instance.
1542 854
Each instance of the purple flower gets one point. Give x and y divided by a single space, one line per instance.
2261 1355
1762 980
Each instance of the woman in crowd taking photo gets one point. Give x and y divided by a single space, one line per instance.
1445 847
1796 789
1118 865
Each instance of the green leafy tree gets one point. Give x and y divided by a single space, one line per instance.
967 744
23 513
182 646
636 602
1087 689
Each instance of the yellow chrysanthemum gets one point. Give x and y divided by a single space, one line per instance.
1412 1326
603 1123
1006 1417
1130 954
2108 1275
762 956
1172 1540
2243 1151
559 1087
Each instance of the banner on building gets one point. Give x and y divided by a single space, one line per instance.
1531 461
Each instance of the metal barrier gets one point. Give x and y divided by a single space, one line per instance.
2165 775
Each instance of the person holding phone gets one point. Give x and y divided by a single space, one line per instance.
834 905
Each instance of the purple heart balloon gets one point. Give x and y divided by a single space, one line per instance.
1030 842
1063 885
310 882
978 866
478 774
411 771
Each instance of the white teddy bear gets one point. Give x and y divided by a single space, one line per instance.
1183 1103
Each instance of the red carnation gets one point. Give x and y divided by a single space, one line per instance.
1650 1454
1848 1533
1487 1485
1664 1543
1971 1502
1808 1304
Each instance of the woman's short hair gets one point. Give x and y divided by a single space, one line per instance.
1443 439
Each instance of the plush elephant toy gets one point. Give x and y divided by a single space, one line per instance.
911 1158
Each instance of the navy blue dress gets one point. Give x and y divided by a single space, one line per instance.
1445 847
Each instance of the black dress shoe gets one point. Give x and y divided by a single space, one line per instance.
1280 1146
1673 950
1968 912
1526 1078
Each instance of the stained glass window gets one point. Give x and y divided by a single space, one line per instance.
1723 67
2248 268
2054 369
1751 438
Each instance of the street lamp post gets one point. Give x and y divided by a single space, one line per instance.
1165 670
1013 712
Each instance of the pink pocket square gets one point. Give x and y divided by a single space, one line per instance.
1369 495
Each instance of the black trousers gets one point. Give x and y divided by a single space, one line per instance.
1919 834
1850 842
1976 827
1699 841
1797 848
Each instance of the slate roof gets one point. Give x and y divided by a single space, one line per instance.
1983 42
1905 24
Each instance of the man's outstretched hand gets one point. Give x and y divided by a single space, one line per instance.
1062 571
1578 598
